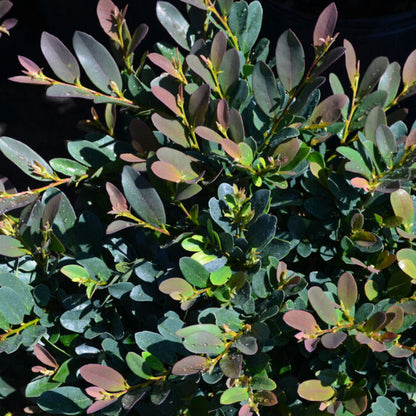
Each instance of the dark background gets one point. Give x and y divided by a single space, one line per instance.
43 123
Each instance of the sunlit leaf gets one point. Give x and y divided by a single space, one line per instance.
375 118
202 342
372 75
11 247
323 306
231 365
333 340
176 288
166 98
218 48
265 90
171 128
234 395
350 60
409 69
347 290
265 398
403 207
315 391
301 320
192 364
390 81
406 258
329 110
246 344
106 12
198 104
208 134
138 365
103 376
44 356
229 70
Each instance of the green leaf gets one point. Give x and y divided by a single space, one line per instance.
12 305
290 60
262 231
197 65
173 21
231 365
97 62
390 81
138 365
372 75
68 167
23 290
176 288
265 89
357 163
88 153
229 70
315 391
59 58
194 272
246 344
406 258
188 330
203 342
11 247
24 158
220 276
403 207
76 273
102 376
383 407
323 306
143 198
64 401
36 387
375 118
65 91
386 144
234 395
403 382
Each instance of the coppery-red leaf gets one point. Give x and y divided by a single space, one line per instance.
44 356
301 320
192 364
325 25
103 376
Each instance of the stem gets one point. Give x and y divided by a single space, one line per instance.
37 190
23 326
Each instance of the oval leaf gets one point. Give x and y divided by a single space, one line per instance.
333 340
202 342
315 391
403 207
234 395
301 320
409 69
323 306
325 25
189 365
265 89
406 258
347 290
104 377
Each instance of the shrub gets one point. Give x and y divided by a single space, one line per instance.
232 243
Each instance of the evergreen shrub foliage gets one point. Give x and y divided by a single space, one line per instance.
232 243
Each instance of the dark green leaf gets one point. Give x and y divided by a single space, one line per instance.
138 365
261 232
390 81
68 167
194 272
372 75
12 305
386 144
171 128
265 90
229 70
66 91
64 401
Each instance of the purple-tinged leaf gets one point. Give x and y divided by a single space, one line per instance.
403 207
357 221
65 91
324 307
265 89
104 377
372 75
234 395
171 128
302 321
265 398
364 238
375 322
325 25
236 126
245 410
398 352
117 199
107 12
97 62
164 63
396 323
129 399
390 82
200 4
59 58
9 23
232 149
329 110
290 60
375 118
198 104
203 342
118 225
51 210
176 288
44 356
311 344
5 6
137 38
347 290
371 343
246 344
167 98
223 113
218 48
208 134
231 365
142 137
23 79
333 340
327 60
192 364
100 404
169 172
15 202
355 401
409 70
350 61
388 337
315 391
411 139
229 70
360 183
29 65
287 151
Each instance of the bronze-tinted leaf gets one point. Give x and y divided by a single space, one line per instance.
372 75
265 89
311 344
166 98
208 134
198 104
398 352
350 60
411 139
117 199
5 6
164 63
290 60
245 410
44 356
176 288
347 290
375 322
375 118
106 12
231 149
29 65
118 225
246 344
196 64
323 306
192 364
333 340
51 210
218 48
390 82
403 207
327 60
325 25
396 323
100 404
357 221
315 391
236 127
329 110
142 137
231 365
409 70
364 238
265 398
301 320
286 151
355 401
15 202
167 171
223 113
171 128
229 70
103 376
138 35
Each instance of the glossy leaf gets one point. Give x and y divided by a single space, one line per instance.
171 128
194 272
290 60
234 395
223 113
118 202
315 391
375 322
106 12
11 305
143 139
327 60
65 91
104 377
265 90
198 105
265 398
302 321
231 365
406 258
229 70
347 290
246 344
409 71
208 134
403 207
218 48
390 81
65 400
68 167
202 342
24 158
350 61
44 356
138 365
138 35
188 330
192 364
197 65
375 118
396 323
173 21
372 75
323 306
325 25
99 405
386 144
329 110
196 3
143 198
166 98
59 58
